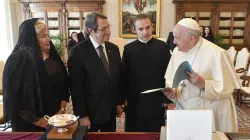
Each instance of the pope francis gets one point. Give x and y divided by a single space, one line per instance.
212 81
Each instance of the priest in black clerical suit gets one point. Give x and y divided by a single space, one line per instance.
145 61
81 36
170 41
95 73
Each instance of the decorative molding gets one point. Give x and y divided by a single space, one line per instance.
89 5
101 2
41 1
26 11
179 8
216 9
14 1
210 1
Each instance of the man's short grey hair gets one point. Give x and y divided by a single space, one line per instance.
191 32
91 20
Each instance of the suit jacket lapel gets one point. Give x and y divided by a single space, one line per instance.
109 55
93 50
108 52
96 56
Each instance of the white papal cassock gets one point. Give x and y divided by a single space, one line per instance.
213 64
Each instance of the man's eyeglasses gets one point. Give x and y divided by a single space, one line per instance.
104 28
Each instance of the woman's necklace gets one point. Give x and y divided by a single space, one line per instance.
45 54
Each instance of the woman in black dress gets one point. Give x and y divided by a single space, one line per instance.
202 31
73 40
35 80
209 34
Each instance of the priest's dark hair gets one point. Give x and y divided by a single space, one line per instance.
140 17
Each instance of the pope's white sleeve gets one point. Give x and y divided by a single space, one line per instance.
223 78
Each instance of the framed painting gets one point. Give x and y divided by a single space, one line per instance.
130 8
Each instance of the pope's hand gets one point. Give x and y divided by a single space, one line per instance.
195 79
170 92
85 122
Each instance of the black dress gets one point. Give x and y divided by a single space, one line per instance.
71 44
53 93
209 38
32 88
170 41
80 37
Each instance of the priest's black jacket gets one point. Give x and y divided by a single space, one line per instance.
80 37
144 66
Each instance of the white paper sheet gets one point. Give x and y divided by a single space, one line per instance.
179 76
154 90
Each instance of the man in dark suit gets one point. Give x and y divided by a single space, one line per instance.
81 36
95 72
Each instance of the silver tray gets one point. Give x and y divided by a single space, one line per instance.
61 121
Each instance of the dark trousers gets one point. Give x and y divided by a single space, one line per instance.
110 126
133 124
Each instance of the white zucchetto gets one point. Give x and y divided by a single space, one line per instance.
189 23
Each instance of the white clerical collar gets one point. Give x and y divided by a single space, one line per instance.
145 41
95 44
196 47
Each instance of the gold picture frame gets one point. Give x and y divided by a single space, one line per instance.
130 8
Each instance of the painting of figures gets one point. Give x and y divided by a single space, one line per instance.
130 8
